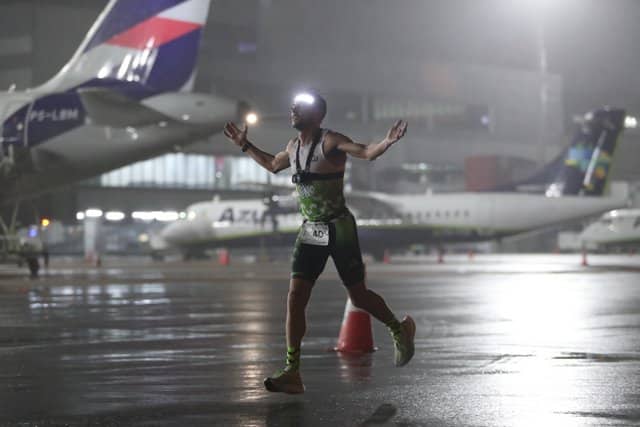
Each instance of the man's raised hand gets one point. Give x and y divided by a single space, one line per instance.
235 134
396 132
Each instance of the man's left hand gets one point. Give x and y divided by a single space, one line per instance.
397 131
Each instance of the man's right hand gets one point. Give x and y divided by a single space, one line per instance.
235 134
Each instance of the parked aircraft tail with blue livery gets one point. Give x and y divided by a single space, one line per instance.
584 167
123 97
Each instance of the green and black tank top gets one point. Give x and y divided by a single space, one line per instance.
321 199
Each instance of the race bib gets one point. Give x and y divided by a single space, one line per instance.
314 233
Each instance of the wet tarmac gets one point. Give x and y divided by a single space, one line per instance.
501 341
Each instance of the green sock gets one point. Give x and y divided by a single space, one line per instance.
394 327
293 359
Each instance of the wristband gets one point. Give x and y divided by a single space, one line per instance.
246 146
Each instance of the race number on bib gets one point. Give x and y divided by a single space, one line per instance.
315 234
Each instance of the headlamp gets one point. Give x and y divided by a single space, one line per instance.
304 99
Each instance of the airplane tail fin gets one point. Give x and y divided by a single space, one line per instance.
584 167
139 48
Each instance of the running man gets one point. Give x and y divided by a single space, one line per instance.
329 229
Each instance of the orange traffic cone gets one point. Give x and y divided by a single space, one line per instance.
386 258
585 263
355 334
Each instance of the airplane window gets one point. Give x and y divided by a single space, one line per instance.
456 214
437 214
446 214
427 215
466 213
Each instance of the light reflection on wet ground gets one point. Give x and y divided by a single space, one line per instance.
524 341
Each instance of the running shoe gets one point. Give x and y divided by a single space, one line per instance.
285 381
403 341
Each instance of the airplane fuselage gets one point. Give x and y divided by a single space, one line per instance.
616 228
431 219
33 164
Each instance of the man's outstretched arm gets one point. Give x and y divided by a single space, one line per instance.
268 161
370 151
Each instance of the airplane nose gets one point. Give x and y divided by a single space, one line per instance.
174 233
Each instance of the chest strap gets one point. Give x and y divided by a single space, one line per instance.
324 176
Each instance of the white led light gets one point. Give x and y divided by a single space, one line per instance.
166 216
304 98
114 216
252 118
80 216
93 213
630 122
143 216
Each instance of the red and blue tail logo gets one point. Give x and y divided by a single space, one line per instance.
140 48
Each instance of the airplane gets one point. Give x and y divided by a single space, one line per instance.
274 218
617 228
575 187
124 96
